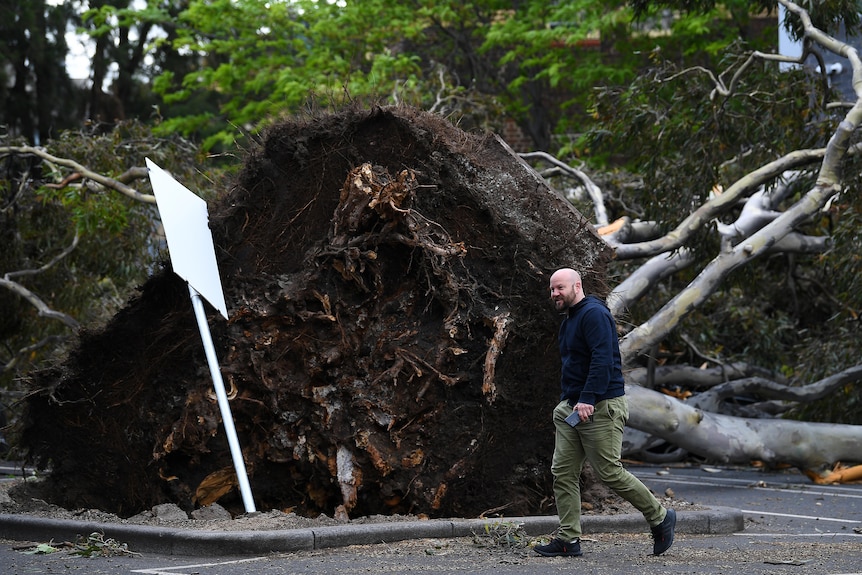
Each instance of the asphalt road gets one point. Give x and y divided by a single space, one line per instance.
776 503
791 527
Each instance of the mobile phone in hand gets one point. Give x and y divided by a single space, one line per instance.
573 419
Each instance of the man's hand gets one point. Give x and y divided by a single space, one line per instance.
585 410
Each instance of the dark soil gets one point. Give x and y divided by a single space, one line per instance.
390 347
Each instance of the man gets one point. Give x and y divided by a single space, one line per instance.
593 397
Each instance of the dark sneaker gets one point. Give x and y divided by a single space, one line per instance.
662 533
559 548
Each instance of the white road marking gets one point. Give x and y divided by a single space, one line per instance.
814 517
830 534
172 570
801 489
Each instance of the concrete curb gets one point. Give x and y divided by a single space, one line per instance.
171 541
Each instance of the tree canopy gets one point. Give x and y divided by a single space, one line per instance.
533 61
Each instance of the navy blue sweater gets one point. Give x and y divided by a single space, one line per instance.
590 351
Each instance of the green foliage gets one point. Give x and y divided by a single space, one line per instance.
818 360
41 549
533 57
832 341
97 545
105 19
671 126
505 534
827 15
275 55
92 546
552 45
89 213
118 245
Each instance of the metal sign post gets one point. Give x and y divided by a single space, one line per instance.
224 406
186 222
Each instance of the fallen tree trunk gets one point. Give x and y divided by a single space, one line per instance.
726 439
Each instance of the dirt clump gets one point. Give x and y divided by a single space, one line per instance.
390 348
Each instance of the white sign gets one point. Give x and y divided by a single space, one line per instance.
190 242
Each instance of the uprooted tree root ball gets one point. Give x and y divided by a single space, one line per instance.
390 347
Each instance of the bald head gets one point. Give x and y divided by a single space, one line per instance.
566 288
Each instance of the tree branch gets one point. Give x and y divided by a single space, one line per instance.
768 389
117 184
592 189
25 351
677 238
704 285
643 279
36 301
699 378
57 258
42 307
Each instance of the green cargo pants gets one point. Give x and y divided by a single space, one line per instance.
600 442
